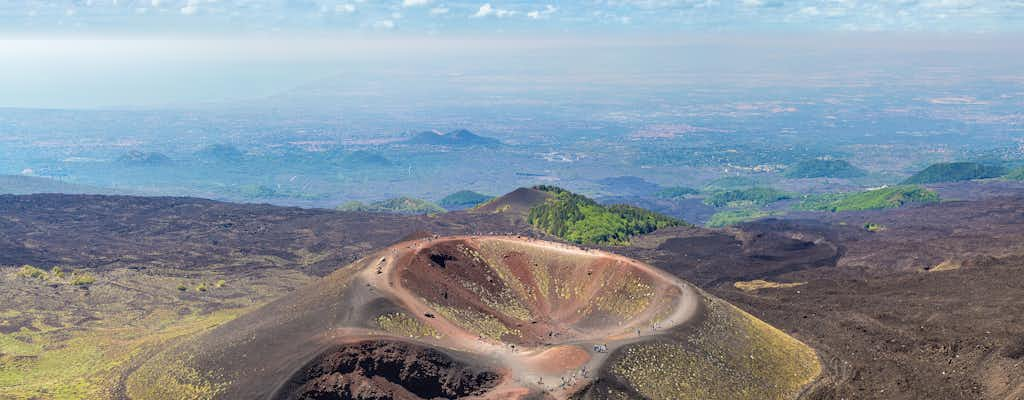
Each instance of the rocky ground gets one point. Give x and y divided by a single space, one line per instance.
926 307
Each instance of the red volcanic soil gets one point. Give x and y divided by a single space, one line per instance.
376 369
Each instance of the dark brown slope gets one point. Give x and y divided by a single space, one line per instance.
886 323
109 232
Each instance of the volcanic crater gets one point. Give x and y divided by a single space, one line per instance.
495 317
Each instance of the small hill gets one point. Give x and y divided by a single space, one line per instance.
457 138
745 197
463 199
139 158
518 202
579 219
398 205
220 153
824 169
675 192
1016 174
890 197
955 172
20 184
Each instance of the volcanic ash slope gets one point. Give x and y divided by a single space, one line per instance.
486 318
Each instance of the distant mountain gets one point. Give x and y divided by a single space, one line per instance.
20 184
365 158
139 158
463 199
220 152
955 172
457 138
824 169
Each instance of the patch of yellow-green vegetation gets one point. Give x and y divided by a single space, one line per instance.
402 324
482 324
625 298
732 355
220 283
57 274
541 278
32 272
758 284
307 257
175 380
873 227
81 278
947 265
47 362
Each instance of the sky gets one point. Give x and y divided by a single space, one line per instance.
502 17
152 53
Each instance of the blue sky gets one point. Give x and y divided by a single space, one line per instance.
498 17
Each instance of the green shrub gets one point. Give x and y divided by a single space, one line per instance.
28 271
201 287
82 279
182 287
873 227
57 272
220 283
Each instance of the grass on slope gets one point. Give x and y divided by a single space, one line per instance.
579 219
398 205
745 197
733 217
890 197
955 172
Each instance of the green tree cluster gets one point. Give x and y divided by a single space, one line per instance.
579 219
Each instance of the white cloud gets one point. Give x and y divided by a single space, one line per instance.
155 3
812 11
753 3
346 8
415 3
487 10
439 10
191 7
384 24
539 14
